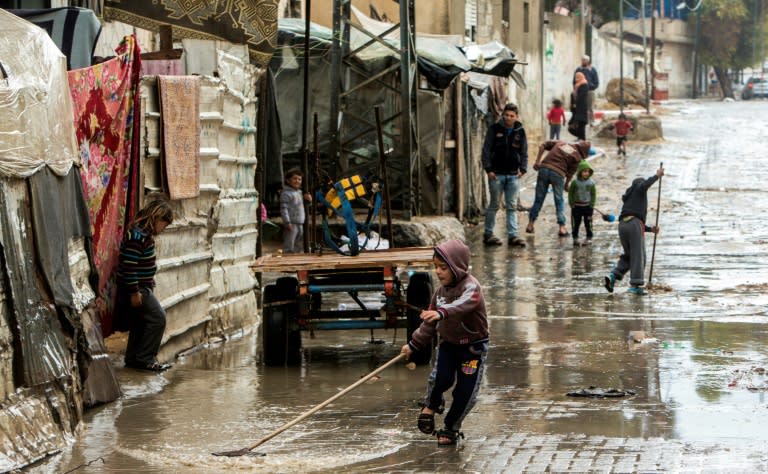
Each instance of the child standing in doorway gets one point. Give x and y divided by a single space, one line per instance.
582 195
632 231
457 314
622 126
292 211
556 118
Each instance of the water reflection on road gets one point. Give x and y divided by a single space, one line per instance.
554 330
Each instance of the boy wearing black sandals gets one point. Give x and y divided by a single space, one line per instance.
457 314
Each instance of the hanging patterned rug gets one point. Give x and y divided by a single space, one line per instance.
180 115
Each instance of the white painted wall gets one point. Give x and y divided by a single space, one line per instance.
564 46
674 53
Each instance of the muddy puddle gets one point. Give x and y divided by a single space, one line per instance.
695 372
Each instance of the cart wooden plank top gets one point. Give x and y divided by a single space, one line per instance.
398 257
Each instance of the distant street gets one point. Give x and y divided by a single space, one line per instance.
699 377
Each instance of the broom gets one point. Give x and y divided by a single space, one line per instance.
606 217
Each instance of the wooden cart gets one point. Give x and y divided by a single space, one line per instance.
294 303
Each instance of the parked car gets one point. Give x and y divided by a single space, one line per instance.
755 87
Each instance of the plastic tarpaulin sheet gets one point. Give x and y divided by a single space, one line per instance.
36 127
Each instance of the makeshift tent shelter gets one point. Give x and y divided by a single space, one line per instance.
439 60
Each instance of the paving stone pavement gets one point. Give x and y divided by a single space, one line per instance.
521 452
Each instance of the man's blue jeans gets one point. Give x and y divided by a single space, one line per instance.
545 178
510 186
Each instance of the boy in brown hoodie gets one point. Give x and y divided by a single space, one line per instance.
457 314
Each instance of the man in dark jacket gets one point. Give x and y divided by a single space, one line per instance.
505 160
556 168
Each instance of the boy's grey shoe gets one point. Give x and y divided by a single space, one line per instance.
637 290
609 281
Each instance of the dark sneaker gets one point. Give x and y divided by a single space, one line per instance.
491 240
637 290
149 366
576 243
609 280
516 242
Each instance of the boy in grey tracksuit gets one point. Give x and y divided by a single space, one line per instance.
632 230
292 211
457 314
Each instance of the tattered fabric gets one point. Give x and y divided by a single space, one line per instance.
104 98
253 23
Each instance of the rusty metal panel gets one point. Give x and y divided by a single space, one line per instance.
43 353
6 348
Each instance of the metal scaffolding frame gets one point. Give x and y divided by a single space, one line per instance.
350 131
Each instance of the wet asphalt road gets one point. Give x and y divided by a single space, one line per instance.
700 402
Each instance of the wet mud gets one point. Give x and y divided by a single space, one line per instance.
695 370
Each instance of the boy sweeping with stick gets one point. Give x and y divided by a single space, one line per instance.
457 314
632 231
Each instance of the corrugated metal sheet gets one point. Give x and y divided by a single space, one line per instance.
39 333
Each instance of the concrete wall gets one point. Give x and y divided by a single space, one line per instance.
674 53
523 34
606 58
112 32
564 46
440 17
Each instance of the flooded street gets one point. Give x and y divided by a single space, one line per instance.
699 387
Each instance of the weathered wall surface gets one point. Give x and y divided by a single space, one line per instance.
522 33
564 46
439 17
674 54
203 280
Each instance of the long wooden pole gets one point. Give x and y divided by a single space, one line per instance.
658 211
308 413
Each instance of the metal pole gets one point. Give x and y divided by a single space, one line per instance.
383 166
621 56
695 86
653 45
314 183
645 59
304 118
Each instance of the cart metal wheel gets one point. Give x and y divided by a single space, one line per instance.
419 293
281 342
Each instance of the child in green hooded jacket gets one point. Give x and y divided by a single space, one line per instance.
582 195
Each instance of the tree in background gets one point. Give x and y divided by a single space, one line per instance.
733 32
732 37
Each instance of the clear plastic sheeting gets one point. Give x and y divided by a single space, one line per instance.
36 118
